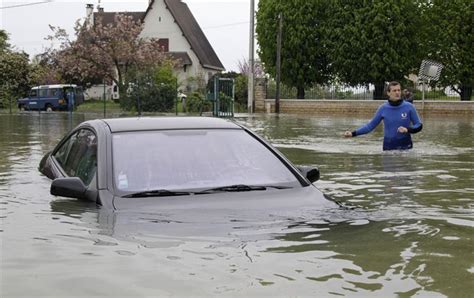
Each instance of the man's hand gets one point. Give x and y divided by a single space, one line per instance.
402 129
348 134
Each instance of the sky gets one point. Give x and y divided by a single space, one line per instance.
224 22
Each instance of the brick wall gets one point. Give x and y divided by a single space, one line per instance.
314 107
260 95
363 107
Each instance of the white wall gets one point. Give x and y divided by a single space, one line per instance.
159 23
97 92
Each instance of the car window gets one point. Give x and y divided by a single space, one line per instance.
43 92
33 93
63 151
78 155
194 159
68 90
54 92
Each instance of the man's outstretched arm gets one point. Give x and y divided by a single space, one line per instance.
367 127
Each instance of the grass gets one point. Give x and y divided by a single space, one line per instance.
111 107
97 106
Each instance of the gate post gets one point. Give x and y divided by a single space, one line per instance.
260 94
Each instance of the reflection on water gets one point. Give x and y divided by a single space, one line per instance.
407 230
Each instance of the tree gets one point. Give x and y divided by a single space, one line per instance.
44 71
3 40
14 76
375 41
109 51
15 72
451 42
244 68
304 50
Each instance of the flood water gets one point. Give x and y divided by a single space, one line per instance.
407 229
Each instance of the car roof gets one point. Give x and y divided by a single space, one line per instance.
167 123
54 86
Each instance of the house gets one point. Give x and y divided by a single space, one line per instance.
180 35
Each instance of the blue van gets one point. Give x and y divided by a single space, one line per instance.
52 97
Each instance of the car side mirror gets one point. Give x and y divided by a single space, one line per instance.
311 173
71 187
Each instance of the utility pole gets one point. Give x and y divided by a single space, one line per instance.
278 64
251 58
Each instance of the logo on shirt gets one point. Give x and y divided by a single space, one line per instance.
404 115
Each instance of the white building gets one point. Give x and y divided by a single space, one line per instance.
180 35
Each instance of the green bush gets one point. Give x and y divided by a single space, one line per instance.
150 90
164 74
225 102
240 107
241 89
195 103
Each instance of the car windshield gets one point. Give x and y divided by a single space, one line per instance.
194 160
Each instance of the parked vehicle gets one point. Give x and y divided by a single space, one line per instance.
129 163
52 97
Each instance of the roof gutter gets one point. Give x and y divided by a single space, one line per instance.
213 67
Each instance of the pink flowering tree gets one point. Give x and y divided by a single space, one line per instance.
244 68
105 51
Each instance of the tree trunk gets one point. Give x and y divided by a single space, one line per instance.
300 93
379 93
466 92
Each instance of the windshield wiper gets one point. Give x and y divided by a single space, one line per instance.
239 187
156 193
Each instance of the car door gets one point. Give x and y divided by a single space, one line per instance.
77 157
44 99
79 95
33 100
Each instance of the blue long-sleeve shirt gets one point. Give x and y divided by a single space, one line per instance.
394 116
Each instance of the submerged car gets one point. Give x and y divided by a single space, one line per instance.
128 163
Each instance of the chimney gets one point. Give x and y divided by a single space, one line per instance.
100 9
89 15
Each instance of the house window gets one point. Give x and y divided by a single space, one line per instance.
184 68
164 44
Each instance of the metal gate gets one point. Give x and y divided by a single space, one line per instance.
222 97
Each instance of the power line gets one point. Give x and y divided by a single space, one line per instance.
26 4
225 25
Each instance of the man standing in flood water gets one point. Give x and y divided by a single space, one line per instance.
400 120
